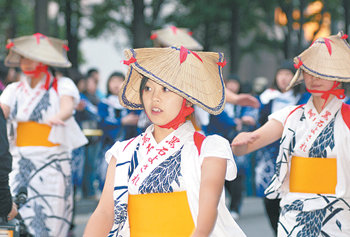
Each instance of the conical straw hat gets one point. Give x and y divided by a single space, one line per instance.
172 35
38 47
327 58
198 78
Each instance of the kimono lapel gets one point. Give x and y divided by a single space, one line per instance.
316 123
151 154
28 98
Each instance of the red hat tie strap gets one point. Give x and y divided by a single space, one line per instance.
339 93
180 118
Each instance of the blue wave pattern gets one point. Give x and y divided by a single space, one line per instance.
39 199
120 217
324 140
313 221
162 177
120 207
26 167
38 223
43 105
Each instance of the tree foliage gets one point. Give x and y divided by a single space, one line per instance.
136 17
238 27
15 19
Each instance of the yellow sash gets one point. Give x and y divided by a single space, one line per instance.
313 175
159 215
33 134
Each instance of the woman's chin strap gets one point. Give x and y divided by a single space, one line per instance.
41 68
180 118
339 93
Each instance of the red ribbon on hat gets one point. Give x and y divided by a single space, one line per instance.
339 93
222 64
297 66
180 118
190 33
10 45
184 52
328 45
38 36
128 62
153 36
65 47
174 29
345 36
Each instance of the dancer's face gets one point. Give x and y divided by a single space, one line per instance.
160 104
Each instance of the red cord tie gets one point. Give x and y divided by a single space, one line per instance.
37 71
180 118
339 93
128 62
222 64
10 45
153 36
345 36
328 45
174 29
184 53
65 47
297 66
38 36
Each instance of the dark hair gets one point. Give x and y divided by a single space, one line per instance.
113 74
142 87
91 71
233 76
287 65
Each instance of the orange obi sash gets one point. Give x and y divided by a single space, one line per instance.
33 134
313 175
160 214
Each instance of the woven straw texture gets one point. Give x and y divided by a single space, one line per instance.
170 36
47 50
199 82
327 58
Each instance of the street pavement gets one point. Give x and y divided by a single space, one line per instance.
252 220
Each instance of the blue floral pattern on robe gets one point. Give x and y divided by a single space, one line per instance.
313 221
162 177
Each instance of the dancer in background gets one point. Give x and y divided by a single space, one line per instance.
312 167
115 121
41 108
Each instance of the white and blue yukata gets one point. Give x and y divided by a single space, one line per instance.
307 133
271 101
43 170
173 165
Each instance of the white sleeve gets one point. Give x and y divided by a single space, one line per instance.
8 95
282 114
119 151
113 151
219 147
66 86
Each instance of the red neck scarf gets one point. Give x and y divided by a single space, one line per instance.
180 118
339 93
41 68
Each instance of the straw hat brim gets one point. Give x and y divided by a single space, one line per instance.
203 84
